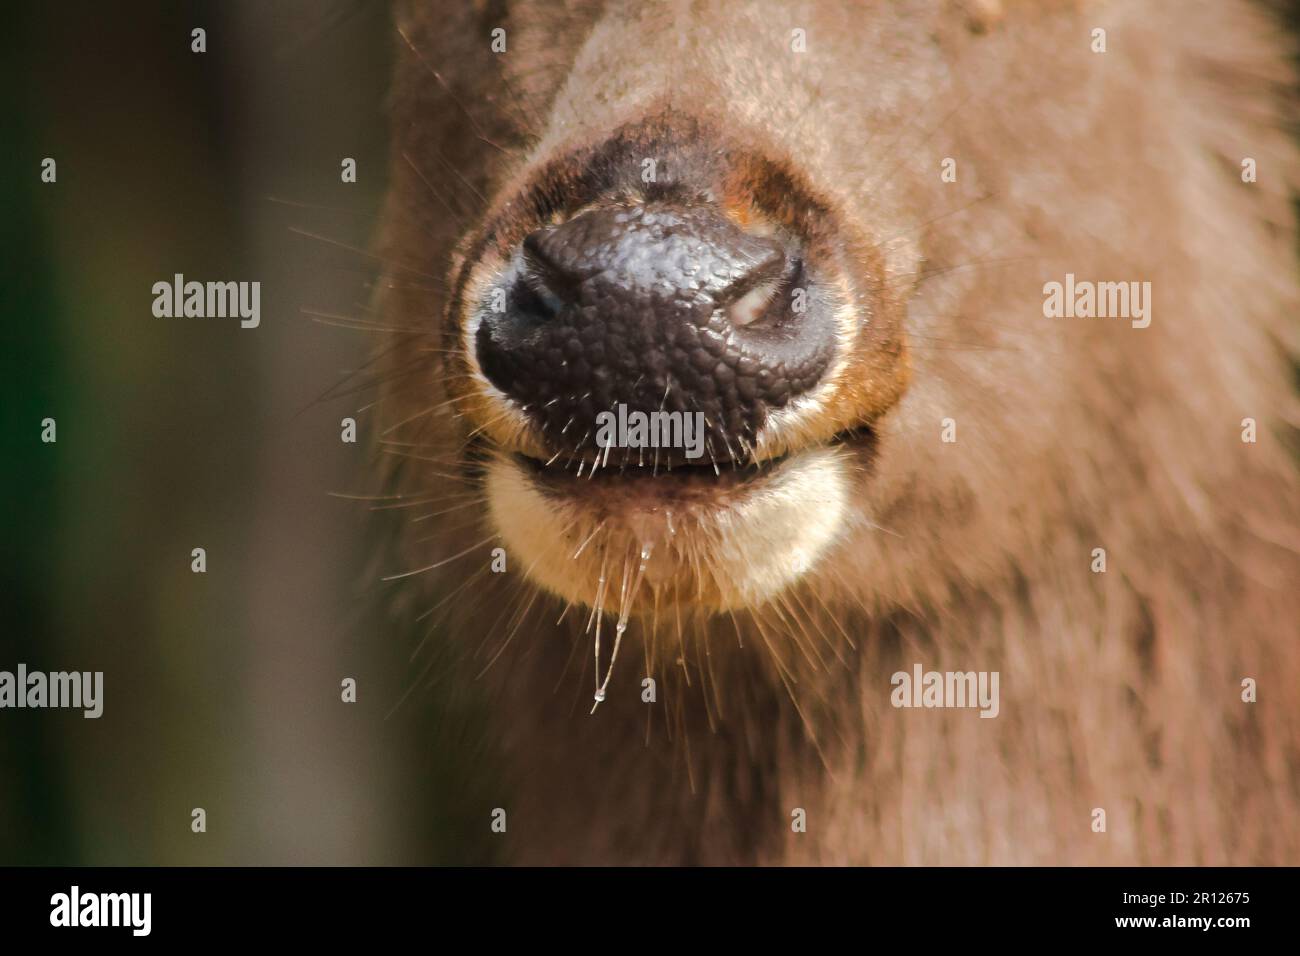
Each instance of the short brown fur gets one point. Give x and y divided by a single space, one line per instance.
1119 690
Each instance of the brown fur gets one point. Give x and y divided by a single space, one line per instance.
1119 690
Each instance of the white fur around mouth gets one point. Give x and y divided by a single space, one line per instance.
726 549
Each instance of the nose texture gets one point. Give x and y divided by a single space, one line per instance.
658 307
641 252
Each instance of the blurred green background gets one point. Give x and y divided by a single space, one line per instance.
222 690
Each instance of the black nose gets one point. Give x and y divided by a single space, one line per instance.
658 307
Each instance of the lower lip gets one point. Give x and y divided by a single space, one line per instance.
701 484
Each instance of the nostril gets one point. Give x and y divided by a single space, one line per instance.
533 297
753 305
766 297
548 273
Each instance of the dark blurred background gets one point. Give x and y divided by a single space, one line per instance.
222 690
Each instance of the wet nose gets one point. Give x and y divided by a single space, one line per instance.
655 307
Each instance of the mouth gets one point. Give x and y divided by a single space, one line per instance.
711 537
640 477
